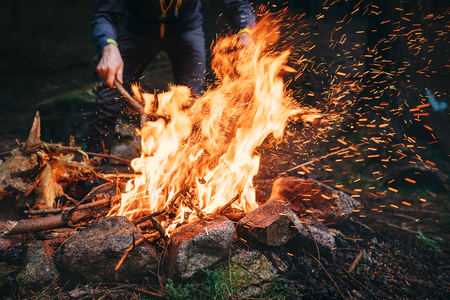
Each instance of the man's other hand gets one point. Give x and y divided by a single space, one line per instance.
244 40
110 66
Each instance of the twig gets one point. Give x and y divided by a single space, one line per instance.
5 153
115 176
58 210
223 208
109 156
143 291
158 227
146 218
136 145
310 162
400 227
312 235
342 264
329 276
175 197
135 244
136 106
96 189
278 263
355 262
40 224
161 279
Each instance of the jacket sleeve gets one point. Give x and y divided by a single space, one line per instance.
239 12
105 20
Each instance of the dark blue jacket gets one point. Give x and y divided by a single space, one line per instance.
142 17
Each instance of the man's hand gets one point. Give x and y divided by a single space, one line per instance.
110 66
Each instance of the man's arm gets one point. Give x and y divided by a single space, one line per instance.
239 12
106 18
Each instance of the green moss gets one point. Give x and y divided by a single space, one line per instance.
248 275
429 244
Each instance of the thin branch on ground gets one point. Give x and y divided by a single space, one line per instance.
355 262
329 276
342 264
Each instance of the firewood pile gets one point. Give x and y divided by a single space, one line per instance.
36 179
302 238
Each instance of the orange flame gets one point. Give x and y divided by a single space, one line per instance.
200 153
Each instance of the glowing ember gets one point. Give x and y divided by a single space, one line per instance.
199 155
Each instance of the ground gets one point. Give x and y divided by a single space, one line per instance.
49 57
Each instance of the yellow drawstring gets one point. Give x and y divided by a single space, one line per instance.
176 7
164 9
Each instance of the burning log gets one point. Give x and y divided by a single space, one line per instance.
308 196
197 155
273 223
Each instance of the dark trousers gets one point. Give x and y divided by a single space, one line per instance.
187 56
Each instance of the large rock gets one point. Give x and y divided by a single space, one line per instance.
273 223
251 273
95 251
315 236
198 245
39 267
311 197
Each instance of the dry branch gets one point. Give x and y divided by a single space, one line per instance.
136 106
59 210
355 262
329 276
158 227
228 204
96 189
348 273
109 156
143 291
40 224
150 236
146 218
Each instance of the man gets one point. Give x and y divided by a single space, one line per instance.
149 26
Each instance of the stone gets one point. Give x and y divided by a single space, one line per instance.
311 197
199 245
315 232
273 223
39 267
94 252
251 273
